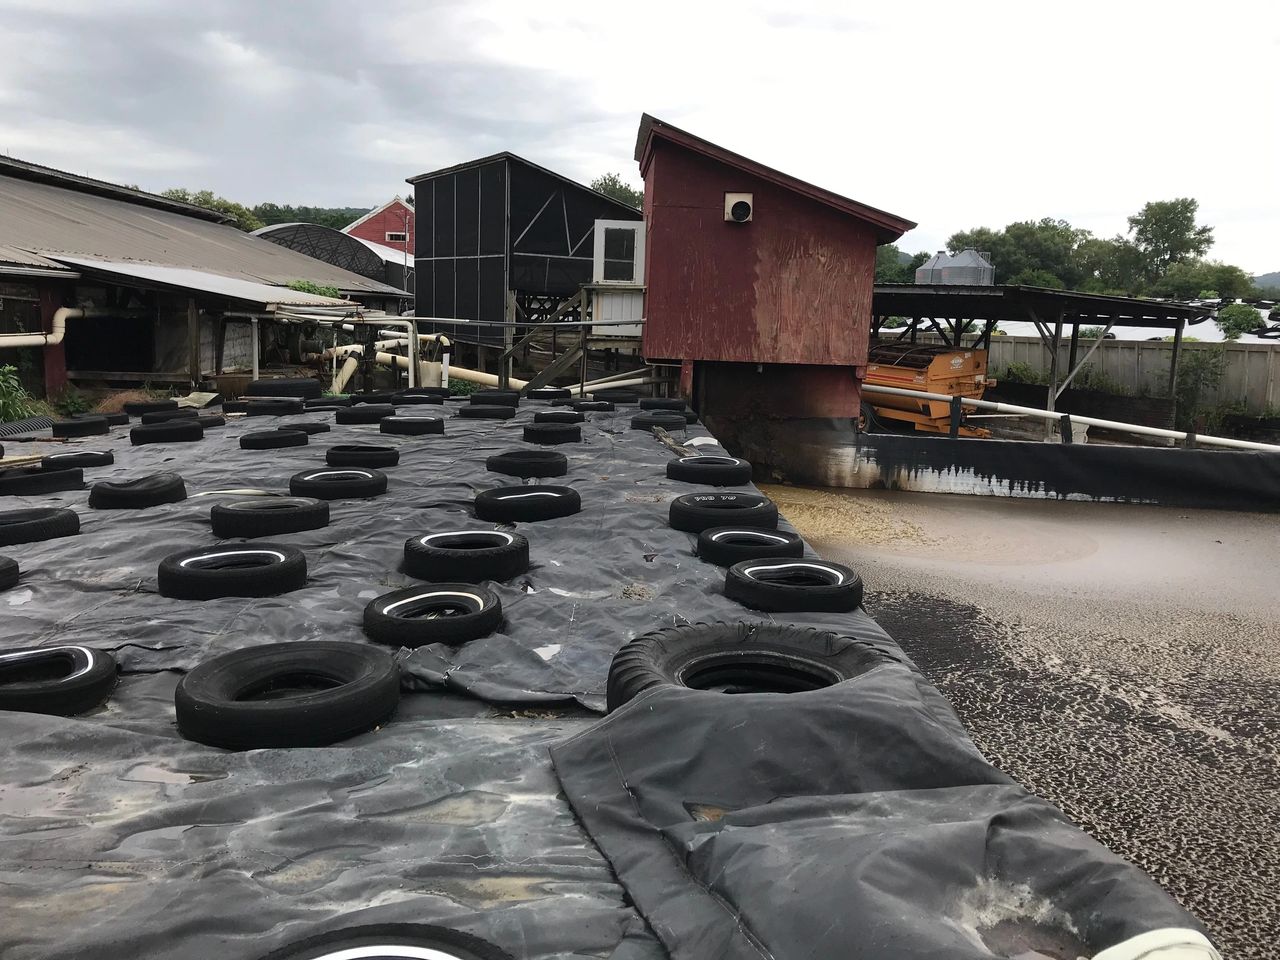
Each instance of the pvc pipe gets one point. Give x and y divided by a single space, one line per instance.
349 366
1075 418
486 379
54 336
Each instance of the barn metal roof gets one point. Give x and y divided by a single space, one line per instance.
888 226
325 243
58 216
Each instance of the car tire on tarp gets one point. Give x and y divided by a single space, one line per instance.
9 572
137 494
304 388
175 431
714 471
786 585
349 688
486 411
80 459
528 464
81 427
62 680
552 433
725 546
737 658
469 556
362 413
450 613
37 524
274 407
658 418
268 516
391 941
36 480
695 512
136 408
527 504
232 570
338 483
274 439
411 426
361 455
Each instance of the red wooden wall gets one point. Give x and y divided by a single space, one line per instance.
389 220
792 286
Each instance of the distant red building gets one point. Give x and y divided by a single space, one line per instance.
390 225
758 284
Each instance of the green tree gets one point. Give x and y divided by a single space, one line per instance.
242 215
1166 232
335 217
612 185
1028 247
1202 278
895 266
1237 319
1199 372
316 289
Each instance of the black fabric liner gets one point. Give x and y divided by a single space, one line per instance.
450 813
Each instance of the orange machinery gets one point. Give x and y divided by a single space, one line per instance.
931 368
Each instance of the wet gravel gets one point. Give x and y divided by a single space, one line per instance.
1150 718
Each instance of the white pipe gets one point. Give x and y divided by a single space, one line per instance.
54 336
609 384
1075 418
349 366
486 379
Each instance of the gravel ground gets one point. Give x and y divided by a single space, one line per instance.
1121 661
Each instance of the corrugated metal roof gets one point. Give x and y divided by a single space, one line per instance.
184 278
24 259
57 222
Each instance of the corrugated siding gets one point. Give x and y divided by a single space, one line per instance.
792 286
44 219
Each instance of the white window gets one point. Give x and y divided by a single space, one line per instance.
400 237
619 252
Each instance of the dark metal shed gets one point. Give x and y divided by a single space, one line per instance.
501 238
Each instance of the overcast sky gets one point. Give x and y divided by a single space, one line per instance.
954 115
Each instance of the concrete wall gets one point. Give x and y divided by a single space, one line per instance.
1251 373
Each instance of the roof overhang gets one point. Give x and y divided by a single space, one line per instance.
186 280
888 227
1017 302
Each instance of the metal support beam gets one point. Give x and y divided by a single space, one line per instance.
1085 359
1177 353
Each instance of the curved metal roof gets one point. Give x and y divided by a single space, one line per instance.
325 243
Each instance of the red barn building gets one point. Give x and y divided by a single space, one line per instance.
390 225
758 284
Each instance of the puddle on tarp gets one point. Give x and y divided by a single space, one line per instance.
1012 922
150 773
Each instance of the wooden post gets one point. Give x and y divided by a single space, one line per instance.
1075 346
1053 373
193 342
219 344
55 357
1177 352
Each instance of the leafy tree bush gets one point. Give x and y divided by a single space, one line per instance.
242 215
612 185
1199 372
1237 319
310 286
15 402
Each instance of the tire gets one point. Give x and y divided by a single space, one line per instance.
364 413
323 403
695 512
9 573
527 504
451 613
382 397
725 546
61 681
309 428
658 418
409 395
548 393
690 417
32 482
208 420
136 408
338 483
83 427
486 412
386 940
550 433
268 517
592 406
175 431
83 458
273 439
137 494
737 658
559 416
662 403
505 398
469 556
267 407
616 395
233 570
407 399
711 470
528 464
361 455
113 419
303 388
410 426
213 704
164 416
235 406
793 585
34 525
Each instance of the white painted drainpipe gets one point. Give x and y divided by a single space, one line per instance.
54 336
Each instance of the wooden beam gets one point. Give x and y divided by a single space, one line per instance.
193 342
1177 352
556 367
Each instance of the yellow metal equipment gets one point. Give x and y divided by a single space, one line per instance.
953 371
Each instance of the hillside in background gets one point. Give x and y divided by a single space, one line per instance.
1268 280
